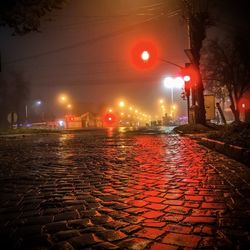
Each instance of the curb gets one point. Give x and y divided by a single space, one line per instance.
232 151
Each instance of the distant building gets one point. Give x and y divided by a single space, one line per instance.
86 120
91 120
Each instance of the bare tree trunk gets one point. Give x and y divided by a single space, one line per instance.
234 108
201 116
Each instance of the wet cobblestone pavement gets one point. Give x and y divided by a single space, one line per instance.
98 190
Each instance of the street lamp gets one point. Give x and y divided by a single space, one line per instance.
171 83
63 98
121 104
37 103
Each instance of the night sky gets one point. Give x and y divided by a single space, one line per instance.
84 51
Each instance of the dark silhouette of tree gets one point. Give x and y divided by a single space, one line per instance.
196 14
3 102
227 64
25 15
14 94
226 59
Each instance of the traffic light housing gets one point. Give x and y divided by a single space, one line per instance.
109 120
190 77
144 55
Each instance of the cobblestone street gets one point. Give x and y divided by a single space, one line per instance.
107 190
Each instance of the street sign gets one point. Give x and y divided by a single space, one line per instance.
209 101
12 117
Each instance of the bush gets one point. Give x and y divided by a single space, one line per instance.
235 133
196 128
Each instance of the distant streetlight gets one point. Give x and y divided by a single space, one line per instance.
121 104
63 98
171 83
69 106
36 103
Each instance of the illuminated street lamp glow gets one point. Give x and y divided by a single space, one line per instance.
121 104
38 103
110 110
145 55
62 98
168 82
161 101
130 108
178 82
69 106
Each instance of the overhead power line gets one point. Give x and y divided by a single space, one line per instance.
90 40
81 43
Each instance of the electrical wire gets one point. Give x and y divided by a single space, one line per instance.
81 43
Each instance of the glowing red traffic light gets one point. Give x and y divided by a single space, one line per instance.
190 74
144 55
109 120
186 78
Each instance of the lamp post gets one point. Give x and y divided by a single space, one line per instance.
36 103
26 114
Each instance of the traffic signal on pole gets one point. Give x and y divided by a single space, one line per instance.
190 77
183 95
144 55
109 120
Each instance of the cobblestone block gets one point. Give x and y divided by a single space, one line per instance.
105 246
203 212
194 198
160 246
64 235
149 233
154 199
136 210
64 245
56 227
182 240
178 228
191 204
84 240
134 244
153 223
173 217
42 220
131 229
195 220
80 223
152 214
173 196
174 202
156 206
111 235
138 203
213 205
177 210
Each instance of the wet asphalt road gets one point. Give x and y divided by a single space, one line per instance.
113 190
